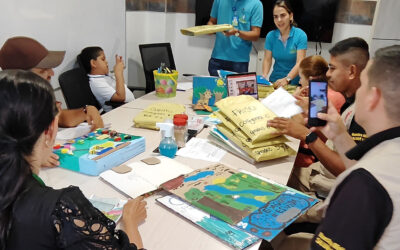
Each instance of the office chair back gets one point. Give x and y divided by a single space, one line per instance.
152 56
75 87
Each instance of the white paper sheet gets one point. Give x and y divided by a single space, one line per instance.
145 178
184 86
72 133
198 148
282 103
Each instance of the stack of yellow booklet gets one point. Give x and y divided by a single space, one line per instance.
157 112
266 90
244 122
206 29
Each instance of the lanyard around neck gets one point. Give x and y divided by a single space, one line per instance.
234 7
38 179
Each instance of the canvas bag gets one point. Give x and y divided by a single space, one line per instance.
243 137
250 115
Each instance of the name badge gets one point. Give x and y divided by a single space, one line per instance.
235 21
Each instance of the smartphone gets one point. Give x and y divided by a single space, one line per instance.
317 102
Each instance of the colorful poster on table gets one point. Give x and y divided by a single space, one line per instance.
257 205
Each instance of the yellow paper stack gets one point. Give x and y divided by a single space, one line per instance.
266 90
157 112
206 29
244 122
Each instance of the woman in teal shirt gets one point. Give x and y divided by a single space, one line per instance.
287 45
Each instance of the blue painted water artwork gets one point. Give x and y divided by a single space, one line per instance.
273 217
255 204
198 176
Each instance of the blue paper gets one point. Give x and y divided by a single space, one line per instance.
262 80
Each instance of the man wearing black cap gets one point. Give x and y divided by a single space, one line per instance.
28 54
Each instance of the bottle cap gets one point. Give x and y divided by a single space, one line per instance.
166 127
179 122
181 116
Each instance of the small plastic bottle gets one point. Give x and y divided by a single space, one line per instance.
167 145
180 131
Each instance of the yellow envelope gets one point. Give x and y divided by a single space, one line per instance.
243 137
206 29
157 112
261 153
250 115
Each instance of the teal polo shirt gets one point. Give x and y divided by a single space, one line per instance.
249 13
285 55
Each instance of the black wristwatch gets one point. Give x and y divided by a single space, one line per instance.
311 137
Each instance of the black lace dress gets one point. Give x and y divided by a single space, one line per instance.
45 218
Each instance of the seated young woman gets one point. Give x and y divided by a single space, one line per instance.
104 87
316 67
33 215
313 67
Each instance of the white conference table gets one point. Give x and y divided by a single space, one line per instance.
164 229
182 97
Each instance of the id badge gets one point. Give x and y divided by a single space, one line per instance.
235 21
243 19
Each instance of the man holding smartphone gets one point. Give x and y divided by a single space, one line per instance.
348 58
367 192
318 101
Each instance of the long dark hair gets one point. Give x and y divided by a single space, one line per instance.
288 7
27 108
87 54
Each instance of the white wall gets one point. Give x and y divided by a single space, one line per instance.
66 25
387 31
191 54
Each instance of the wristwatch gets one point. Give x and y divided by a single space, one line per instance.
237 34
311 137
288 79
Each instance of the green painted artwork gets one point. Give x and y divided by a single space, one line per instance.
207 90
260 207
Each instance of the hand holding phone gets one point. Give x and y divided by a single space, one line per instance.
317 101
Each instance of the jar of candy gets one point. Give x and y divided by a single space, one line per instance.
180 131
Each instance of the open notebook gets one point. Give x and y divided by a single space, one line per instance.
145 178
